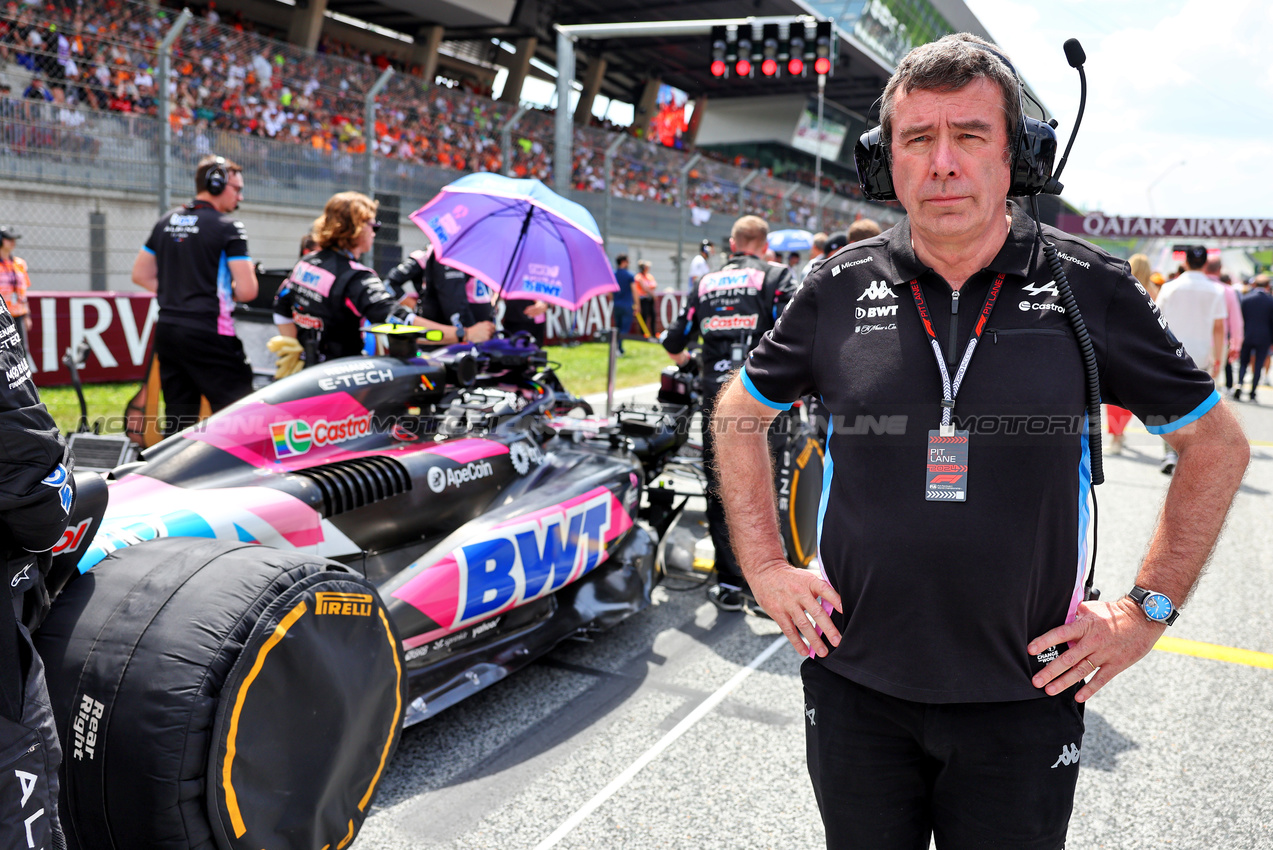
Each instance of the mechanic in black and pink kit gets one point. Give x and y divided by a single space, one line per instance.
445 295
328 294
949 635
196 262
730 308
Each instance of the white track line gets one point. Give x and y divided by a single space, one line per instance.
651 754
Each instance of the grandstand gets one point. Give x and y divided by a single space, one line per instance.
281 88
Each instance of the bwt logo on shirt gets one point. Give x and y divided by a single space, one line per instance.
875 312
731 279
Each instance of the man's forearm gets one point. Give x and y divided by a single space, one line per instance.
1207 476
746 480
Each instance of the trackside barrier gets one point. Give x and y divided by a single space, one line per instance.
119 328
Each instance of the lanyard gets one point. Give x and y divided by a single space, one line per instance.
950 389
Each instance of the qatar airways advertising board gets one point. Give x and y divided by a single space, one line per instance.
119 329
1149 227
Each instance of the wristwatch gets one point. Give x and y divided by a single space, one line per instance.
1158 607
460 331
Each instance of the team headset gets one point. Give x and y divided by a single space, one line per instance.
214 182
1033 151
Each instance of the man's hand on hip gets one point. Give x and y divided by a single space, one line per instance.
790 596
1105 638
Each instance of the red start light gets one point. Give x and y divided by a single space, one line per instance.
795 67
822 65
743 68
718 68
769 67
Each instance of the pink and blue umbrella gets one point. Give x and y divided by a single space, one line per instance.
519 237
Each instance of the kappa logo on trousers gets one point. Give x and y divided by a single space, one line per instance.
1069 755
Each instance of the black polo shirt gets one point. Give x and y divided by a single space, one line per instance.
193 246
941 598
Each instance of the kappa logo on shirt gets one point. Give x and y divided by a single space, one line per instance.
877 290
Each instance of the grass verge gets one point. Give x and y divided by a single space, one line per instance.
583 371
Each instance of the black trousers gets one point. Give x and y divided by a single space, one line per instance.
1257 350
647 313
198 363
727 569
889 773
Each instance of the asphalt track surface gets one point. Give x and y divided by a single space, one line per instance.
658 734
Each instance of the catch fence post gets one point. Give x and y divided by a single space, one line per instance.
609 171
369 129
742 187
506 142
165 128
682 203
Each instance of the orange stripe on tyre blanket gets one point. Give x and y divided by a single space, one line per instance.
221 698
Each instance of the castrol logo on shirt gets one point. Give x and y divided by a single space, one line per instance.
729 323
296 436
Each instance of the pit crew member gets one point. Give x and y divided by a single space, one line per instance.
328 294
730 308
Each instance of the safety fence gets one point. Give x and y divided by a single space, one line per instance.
84 109
118 328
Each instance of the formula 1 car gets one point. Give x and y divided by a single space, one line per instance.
494 514
490 511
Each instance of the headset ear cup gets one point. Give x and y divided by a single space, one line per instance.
1032 158
215 181
870 155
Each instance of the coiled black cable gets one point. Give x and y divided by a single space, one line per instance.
1092 379
1091 371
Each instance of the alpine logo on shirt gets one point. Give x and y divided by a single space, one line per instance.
1048 304
1036 289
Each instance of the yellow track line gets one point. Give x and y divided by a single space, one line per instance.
1249 657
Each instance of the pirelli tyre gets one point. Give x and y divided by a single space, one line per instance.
220 695
797 453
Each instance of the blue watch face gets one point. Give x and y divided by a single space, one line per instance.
1157 607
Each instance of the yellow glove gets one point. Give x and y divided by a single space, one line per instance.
288 351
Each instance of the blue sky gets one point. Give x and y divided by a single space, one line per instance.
1169 82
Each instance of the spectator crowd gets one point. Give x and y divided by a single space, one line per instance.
61 62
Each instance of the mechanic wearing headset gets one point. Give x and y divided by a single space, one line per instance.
36 496
948 632
730 308
445 295
328 294
196 262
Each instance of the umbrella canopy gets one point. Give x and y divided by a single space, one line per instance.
790 240
520 237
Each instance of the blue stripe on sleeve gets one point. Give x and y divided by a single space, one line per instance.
759 396
232 259
146 248
1194 415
